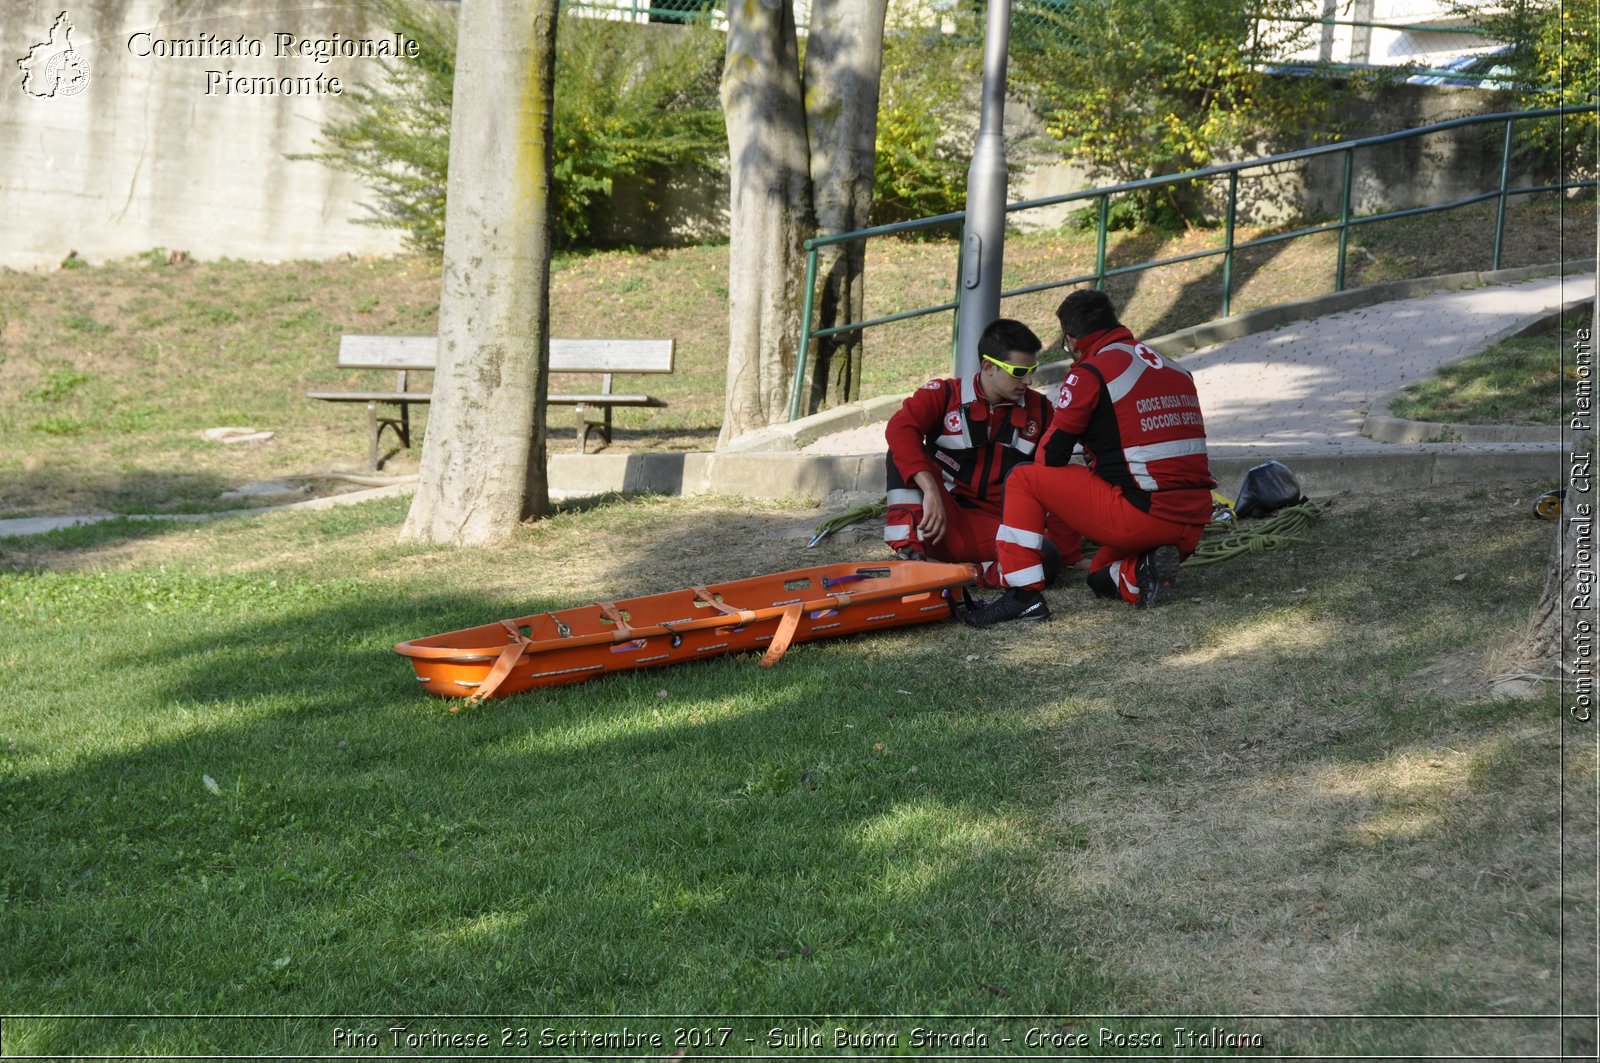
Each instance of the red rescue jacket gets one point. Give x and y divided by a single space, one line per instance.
1137 416
949 428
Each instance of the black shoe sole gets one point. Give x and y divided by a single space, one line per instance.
1159 582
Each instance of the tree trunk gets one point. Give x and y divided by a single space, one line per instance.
843 71
769 211
483 460
1559 641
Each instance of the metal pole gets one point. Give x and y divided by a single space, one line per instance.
1344 217
1100 243
803 355
983 238
1500 211
1227 255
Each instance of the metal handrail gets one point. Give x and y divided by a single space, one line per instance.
1230 170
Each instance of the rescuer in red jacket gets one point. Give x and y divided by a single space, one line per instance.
952 445
1145 494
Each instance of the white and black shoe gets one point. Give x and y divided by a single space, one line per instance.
1014 604
1157 573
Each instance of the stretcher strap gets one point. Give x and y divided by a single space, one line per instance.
783 636
503 664
705 596
609 611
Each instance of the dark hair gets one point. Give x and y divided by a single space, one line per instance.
1084 311
1003 335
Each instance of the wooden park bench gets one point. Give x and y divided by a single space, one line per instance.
404 355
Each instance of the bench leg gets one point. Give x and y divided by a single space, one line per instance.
400 426
374 427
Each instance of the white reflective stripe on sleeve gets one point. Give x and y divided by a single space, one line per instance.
1032 574
961 442
1177 448
1021 536
896 532
905 496
1117 389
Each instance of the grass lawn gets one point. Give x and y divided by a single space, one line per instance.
110 374
222 794
1517 381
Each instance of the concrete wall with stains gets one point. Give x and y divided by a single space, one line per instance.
151 147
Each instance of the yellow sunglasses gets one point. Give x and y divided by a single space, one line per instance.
1018 371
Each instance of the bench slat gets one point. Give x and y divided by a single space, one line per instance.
597 399
566 355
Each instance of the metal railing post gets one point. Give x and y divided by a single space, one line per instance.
1100 243
955 317
804 352
1227 254
1344 216
1500 210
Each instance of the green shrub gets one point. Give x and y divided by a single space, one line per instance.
630 101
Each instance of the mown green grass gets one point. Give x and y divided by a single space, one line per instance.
1518 381
1216 807
112 372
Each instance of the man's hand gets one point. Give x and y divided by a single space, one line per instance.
931 528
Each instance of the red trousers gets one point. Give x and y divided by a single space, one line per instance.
969 534
1074 496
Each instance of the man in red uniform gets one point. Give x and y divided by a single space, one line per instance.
952 446
1145 494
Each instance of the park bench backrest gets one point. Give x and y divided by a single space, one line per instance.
566 356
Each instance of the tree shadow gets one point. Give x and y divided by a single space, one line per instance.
137 491
601 847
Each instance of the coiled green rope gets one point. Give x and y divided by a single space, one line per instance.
847 518
1226 539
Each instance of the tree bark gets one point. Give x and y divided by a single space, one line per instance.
1565 616
843 72
769 211
483 460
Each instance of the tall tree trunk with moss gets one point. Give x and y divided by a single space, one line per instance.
483 461
800 153
843 72
769 211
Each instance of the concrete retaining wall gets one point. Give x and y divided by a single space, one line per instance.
162 149
168 150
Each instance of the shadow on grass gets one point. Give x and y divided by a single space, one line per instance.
864 828
141 491
708 839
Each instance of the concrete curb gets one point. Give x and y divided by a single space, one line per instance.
20 526
788 475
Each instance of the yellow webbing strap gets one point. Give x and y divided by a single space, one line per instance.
787 626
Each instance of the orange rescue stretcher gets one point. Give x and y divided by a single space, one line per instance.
773 611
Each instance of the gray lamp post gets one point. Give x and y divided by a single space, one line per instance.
984 235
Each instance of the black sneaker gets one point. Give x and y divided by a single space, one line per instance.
1158 576
910 553
1012 605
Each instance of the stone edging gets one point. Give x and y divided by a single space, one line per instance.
1384 427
